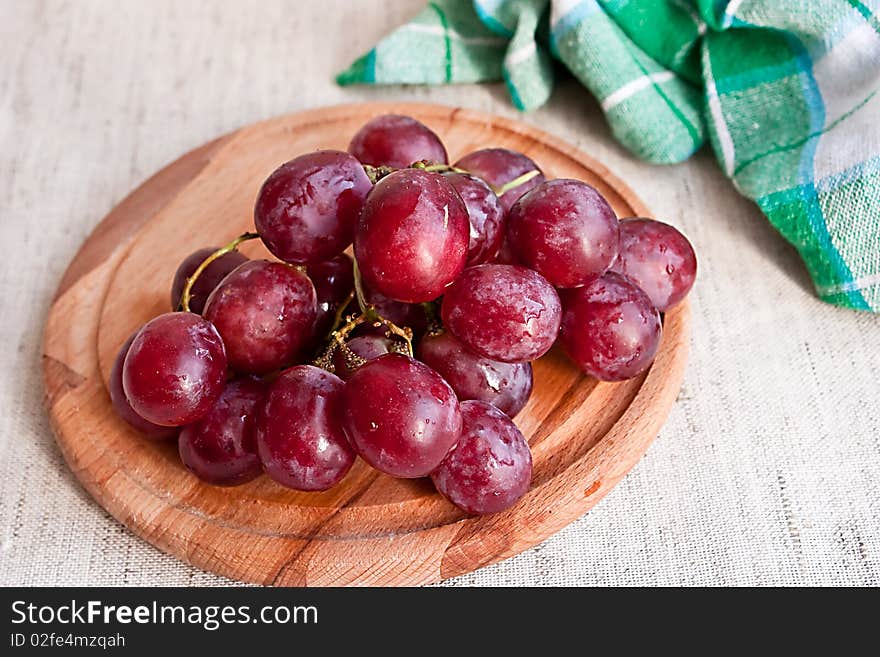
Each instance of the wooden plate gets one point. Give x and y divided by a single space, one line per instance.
370 529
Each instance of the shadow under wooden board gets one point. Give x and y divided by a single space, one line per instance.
370 529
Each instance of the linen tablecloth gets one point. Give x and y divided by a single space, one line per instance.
767 471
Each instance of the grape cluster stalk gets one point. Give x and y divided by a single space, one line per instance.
415 354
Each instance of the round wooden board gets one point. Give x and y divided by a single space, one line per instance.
371 529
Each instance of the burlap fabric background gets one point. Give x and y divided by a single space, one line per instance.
767 472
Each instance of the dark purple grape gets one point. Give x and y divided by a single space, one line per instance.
175 369
486 217
506 256
499 166
657 258
207 280
221 447
506 386
398 312
396 141
565 230
307 209
400 415
491 466
502 312
299 434
610 328
123 408
412 236
366 347
265 312
333 280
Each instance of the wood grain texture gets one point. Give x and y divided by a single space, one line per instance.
371 529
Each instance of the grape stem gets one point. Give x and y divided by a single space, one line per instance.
337 318
516 182
359 287
375 174
222 251
404 332
434 167
435 326
369 315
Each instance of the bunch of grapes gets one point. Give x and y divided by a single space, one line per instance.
414 354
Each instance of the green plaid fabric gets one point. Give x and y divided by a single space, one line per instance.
784 90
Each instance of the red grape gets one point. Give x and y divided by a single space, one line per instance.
299 436
123 408
175 369
307 209
396 141
502 312
207 280
486 217
333 280
506 386
657 258
610 328
499 166
221 448
367 347
565 230
412 236
400 415
265 312
491 466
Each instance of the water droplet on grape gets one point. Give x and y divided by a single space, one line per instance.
658 258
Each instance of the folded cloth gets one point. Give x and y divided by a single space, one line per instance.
785 91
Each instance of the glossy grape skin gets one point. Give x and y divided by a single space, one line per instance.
368 347
499 166
175 369
123 408
658 258
221 448
400 415
610 328
334 281
490 468
412 236
299 435
265 312
565 230
207 280
502 312
396 141
307 208
486 217
507 386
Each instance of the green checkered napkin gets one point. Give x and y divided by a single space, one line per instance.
785 91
